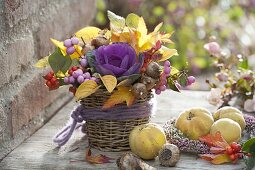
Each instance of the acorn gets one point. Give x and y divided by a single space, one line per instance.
139 90
99 41
169 155
153 70
148 81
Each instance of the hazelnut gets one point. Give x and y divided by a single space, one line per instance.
99 41
139 90
153 70
148 81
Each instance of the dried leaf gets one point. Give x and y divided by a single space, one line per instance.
214 140
98 159
216 159
217 150
207 157
109 82
85 89
42 63
123 94
220 159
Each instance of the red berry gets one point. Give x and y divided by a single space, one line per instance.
74 68
53 80
48 76
236 147
233 157
70 72
229 150
52 73
48 83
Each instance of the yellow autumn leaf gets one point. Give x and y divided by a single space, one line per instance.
168 54
85 89
87 33
109 82
142 26
60 45
123 94
157 28
42 63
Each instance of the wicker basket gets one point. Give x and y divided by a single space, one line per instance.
110 135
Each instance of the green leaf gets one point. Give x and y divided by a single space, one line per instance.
117 22
244 64
174 70
91 61
132 20
183 80
128 80
58 62
249 146
172 85
243 85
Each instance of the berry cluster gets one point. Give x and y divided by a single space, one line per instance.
163 78
234 151
69 44
51 81
77 76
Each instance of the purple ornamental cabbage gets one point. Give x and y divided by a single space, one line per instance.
118 59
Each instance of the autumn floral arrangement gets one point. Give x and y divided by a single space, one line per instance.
105 68
226 136
234 82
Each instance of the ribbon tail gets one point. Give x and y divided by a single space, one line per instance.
65 134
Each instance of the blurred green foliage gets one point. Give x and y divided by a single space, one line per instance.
193 22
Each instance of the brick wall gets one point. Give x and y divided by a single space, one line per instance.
25 29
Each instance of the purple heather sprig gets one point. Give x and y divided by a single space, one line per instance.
250 125
177 138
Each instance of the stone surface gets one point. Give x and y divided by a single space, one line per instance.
31 100
38 152
3 120
25 29
16 58
67 19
